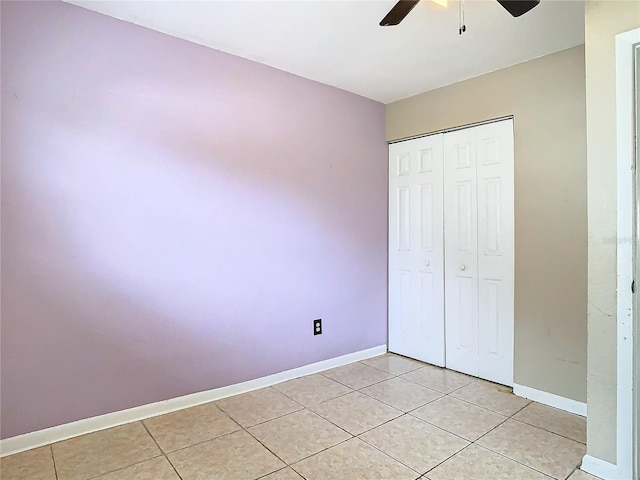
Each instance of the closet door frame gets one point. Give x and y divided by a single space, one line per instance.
484 191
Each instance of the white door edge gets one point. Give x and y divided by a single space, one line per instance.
625 212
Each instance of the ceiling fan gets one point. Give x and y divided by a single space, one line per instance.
403 7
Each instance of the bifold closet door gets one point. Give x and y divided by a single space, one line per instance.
461 252
479 253
416 250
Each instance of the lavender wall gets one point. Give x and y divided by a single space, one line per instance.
174 218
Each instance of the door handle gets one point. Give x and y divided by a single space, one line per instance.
462 267
427 263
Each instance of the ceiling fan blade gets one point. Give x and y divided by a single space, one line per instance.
398 12
518 7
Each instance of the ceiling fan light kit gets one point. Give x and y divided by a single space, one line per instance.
403 7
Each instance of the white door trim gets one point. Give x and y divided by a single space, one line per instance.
625 153
625 212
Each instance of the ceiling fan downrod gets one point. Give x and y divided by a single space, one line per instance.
462 27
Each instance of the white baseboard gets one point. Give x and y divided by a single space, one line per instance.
600 468
27 441
551 399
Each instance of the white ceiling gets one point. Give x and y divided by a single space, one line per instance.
340 43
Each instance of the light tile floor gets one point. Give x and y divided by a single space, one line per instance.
387 418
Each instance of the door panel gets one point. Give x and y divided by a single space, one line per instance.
460 230
426 217
416 275
496 251
403 232
489 199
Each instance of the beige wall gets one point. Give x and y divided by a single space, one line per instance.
546 96
603 20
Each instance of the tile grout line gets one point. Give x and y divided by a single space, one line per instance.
302 407
391 373
356 389
271 473
499 454
280 470
448 458
517 461
319 452
548 431
392 406
240 429
485 408
443 429
332 423
402 413
166 454
385 453
491 430
53 460
352 436
508 457
399 376
572 472
297 472
273 386
268 449
200 443
94 477
246 429
512 417
432 388
507 417
308 406
97 477
161 449
419 419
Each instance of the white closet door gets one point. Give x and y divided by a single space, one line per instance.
416 281
461 255
479 253
495 250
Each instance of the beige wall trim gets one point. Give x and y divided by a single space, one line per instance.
453 129
546 398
